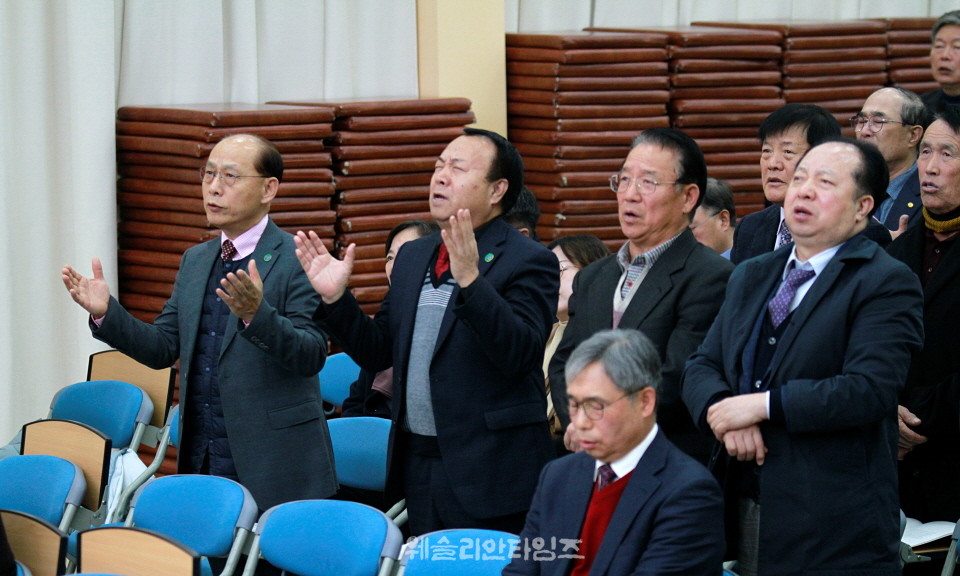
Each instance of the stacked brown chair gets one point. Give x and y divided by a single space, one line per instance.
908 53
384 152
575 100
833 64
160 151
723 83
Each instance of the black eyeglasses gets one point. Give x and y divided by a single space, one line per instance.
876 122
593 409
228 178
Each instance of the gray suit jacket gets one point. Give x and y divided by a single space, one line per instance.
267 371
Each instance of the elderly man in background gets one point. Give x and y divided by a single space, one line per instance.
661 281
945 62
893 119
716 217
930 404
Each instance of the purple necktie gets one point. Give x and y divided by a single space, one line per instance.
779 305
783 235
606 476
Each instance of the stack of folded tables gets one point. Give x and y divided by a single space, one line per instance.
908 53
159 153
723 83
384 152
833 64
575 101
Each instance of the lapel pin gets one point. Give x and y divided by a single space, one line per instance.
909 204
488 257
267 257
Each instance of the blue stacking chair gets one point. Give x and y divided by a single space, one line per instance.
120 410
214 516
135 552
336 376
360 454
48 487
459 552
324 537
158 386
38 545
83 445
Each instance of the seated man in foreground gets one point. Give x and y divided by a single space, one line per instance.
608 512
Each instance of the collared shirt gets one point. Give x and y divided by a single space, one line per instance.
625 465
246 243
776 240
816 263
644 262
893 191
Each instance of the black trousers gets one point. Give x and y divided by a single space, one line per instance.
431 503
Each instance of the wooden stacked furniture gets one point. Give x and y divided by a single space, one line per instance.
575 102
723 83
833 64
160 151
908 51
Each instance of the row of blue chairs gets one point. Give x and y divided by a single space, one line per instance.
308 537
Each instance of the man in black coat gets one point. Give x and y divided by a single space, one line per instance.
930 405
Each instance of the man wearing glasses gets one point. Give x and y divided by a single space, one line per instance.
631 502
240 323
662 281
892 119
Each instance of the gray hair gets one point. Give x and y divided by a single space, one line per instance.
913 112
951 18
627 356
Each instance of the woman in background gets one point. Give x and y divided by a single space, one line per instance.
574 253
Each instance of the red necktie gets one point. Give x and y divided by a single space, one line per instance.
443 261
227 250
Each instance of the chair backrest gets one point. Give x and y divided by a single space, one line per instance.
36 543
360 451
459 552
118 409
134 552
48 487
79 443
158 384
336 376
320 537
210 514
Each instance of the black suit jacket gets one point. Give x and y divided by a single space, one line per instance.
907 202
828 487
757 232
930 474
674 307
486 373
668 521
